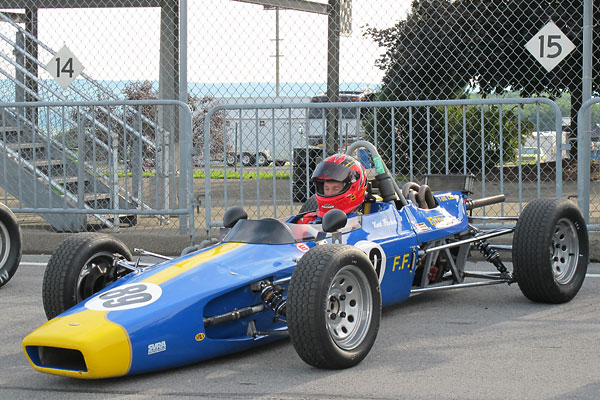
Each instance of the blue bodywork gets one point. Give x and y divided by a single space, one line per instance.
167 328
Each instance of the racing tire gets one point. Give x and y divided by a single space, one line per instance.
247 160
10 244
81 266
310 205
550 250
263 160
333 306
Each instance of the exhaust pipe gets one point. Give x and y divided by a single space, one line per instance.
486 201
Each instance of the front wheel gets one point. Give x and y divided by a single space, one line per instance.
333 306
81 266
550 250
10 244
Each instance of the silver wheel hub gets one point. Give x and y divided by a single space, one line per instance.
564 252
94 271
349 307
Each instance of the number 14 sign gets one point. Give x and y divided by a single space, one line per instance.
64 67
550 46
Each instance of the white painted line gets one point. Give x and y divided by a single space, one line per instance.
33 263
592 275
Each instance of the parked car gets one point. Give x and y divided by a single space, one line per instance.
529 155
250 158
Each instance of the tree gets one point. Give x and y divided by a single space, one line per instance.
455 144
445 49
219 138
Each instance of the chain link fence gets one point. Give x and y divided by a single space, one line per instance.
261 52
489 139
103 166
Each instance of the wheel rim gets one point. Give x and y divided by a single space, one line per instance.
4 244
94 275
246 159
349 307
262 160
564 251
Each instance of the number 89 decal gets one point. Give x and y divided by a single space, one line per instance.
125 297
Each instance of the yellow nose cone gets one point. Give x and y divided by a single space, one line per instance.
81 345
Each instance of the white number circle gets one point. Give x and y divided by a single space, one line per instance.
376 256
125 297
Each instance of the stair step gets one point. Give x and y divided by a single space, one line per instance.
95 196
46 163
68 179
22 146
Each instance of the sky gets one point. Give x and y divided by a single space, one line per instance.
228 41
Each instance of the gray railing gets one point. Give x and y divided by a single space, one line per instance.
487 137
584 163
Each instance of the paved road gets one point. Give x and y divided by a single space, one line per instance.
481 343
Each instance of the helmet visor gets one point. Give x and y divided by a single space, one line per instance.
332 171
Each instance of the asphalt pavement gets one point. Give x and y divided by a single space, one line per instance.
479 343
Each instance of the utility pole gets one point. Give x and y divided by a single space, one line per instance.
277 53
333 75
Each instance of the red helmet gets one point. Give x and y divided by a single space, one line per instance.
347 170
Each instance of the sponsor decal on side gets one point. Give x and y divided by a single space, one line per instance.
157 347
422 227
303 247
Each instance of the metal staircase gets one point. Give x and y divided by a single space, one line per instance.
45 173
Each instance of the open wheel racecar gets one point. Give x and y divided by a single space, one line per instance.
323 285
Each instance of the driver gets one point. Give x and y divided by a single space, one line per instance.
340 181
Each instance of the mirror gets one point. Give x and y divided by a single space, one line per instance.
334 220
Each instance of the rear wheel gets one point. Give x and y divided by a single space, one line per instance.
550 250
81 266
10 244
333 306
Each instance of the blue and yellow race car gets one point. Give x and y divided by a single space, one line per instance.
323 285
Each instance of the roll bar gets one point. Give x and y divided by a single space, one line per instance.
383 175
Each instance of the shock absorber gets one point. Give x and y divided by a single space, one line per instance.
272 296
491 255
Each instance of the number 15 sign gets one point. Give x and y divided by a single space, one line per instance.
64 67
550 46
